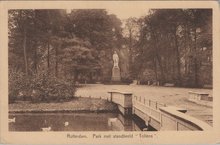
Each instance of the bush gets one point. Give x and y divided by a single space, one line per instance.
126 80
16 84
39 87
106 80
50 88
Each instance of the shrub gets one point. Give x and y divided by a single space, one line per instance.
15 84
51 88
39 87
106 80
127 80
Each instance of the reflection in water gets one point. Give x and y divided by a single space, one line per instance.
72 122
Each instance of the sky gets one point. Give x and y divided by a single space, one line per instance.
126 12
123 11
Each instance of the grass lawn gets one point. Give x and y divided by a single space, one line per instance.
167 95
77 104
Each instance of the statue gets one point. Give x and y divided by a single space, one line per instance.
116 76
115 59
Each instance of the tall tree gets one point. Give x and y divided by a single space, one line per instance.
175 38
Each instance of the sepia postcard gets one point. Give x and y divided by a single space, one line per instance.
109 72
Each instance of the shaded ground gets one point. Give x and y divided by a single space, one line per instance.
168 95
75 105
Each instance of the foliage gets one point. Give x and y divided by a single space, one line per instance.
64 45
104 34
39 87
166 45
127 80
52 88
15 84
176 44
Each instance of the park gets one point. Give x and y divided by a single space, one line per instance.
99 70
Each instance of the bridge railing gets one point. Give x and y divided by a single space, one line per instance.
150 103
173 118
154 113
147 109
123 99
163 117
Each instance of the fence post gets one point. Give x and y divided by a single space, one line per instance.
144 100
149 103
156 105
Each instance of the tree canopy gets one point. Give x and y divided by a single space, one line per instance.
165 45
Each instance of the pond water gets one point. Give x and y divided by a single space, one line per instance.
73 122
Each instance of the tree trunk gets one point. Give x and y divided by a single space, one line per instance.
35 46
161 67
76 73
56 65
25 51
35 59
155 69
130 52
130 39
178 59
186 39
48 56
195 60
158 57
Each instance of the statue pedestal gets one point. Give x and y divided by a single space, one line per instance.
116 76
